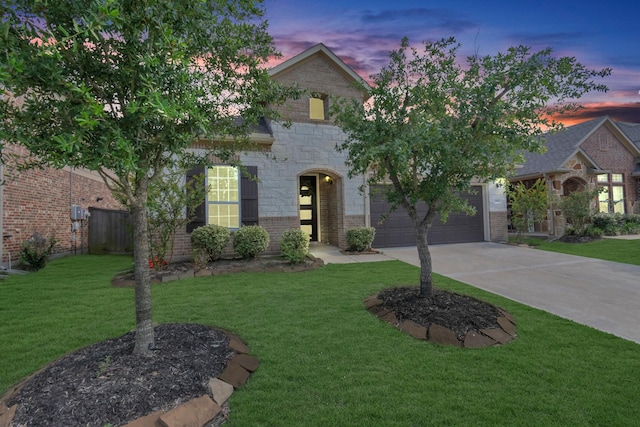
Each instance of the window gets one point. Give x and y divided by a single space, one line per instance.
611 197
318 106
604 142
223 198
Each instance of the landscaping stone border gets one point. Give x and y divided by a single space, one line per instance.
209 410
441 335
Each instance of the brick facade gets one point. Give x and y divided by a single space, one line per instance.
498 226
319 75
612 155
39 200
603 150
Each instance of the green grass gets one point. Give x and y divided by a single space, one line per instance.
625 251
325 361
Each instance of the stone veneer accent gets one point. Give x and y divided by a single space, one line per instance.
441 335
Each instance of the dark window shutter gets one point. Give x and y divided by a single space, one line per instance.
200 212
249 196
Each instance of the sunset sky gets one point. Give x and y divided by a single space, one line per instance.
598 34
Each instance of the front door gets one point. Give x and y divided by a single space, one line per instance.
309 206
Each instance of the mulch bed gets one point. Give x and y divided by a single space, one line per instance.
106 384
578 239
184 269
453 311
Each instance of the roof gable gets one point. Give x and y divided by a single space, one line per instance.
319 51
561 146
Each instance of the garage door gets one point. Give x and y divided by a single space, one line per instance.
397 229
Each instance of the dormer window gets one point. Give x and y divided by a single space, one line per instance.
318 106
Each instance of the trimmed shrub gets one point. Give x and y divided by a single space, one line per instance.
631 228
577 208
632 218
210 239
616 224
250 240
593 231
605 222
360 238
295 245
36 251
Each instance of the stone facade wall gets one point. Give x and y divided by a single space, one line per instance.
39 200
302 149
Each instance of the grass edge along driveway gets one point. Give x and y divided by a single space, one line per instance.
327 361
617 250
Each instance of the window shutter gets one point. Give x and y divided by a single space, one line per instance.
200 211
249 196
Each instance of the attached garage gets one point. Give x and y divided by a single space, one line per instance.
397 228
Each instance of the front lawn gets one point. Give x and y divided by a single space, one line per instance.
325 361
625 251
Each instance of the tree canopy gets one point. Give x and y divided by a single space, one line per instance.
122 87
435 122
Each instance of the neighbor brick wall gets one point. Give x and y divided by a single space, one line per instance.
39 200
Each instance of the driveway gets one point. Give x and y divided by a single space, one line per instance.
601 294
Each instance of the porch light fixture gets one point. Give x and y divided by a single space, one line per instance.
328 180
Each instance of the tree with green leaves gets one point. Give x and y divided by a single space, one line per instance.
121 87
170 207
578 208
528 205
433 124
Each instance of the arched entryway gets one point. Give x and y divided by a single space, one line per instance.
320 203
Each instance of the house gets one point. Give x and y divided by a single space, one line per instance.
39 200
598 153
302 181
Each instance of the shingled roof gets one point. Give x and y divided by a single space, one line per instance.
565 144
632 130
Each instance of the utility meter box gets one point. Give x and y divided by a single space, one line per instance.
76 213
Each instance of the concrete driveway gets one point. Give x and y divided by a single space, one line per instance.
601 294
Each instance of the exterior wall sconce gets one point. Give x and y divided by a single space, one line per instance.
328 180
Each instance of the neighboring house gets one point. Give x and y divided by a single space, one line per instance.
598 153
39 200
302 180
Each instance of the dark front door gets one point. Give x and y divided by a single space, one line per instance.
308 206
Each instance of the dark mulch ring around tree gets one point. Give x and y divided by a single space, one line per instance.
105 384
446 317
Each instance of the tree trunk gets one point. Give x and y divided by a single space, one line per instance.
426 268
144 340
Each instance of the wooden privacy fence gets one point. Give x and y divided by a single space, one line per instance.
110 232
